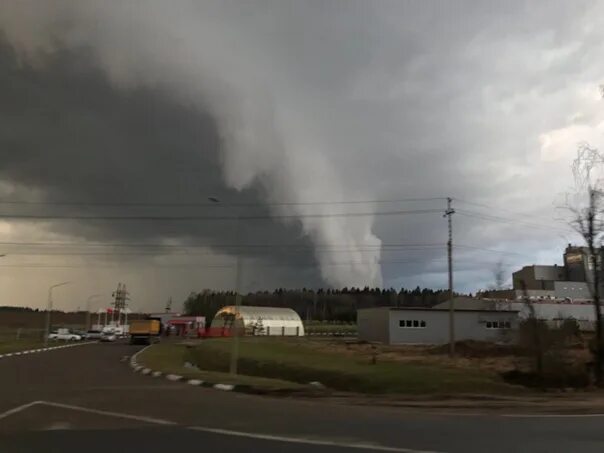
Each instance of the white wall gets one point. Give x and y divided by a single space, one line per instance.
469 325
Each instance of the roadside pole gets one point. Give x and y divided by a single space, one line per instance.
235 331
49 309
238 277
448 214
88 309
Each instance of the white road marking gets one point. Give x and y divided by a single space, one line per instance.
156 374
302 440
195 382
226 387
552 415
146 371
173 377
133 360
226 432
157 421
18 409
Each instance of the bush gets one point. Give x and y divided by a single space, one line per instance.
550 366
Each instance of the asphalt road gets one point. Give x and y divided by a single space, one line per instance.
84 399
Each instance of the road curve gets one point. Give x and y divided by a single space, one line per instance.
86 399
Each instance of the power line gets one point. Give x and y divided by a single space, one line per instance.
219 245
214 205
490 250
496 208
233 265
210 218
184 252
493 218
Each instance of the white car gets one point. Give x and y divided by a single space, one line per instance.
64 335
108 336
93 334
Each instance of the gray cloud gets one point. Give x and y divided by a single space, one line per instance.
337 100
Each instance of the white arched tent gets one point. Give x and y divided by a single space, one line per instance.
260 320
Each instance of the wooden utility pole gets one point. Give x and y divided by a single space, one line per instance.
448 214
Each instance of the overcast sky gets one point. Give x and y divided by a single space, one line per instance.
279 108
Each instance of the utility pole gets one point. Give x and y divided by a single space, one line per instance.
448 213
88 309
234 329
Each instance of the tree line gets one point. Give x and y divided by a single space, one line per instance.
330 305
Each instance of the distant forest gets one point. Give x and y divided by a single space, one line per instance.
322 305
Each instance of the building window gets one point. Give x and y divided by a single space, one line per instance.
412 324
498 325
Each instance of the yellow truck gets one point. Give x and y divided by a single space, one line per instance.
145 331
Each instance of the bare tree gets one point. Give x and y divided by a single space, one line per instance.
532 330
589 224
588 221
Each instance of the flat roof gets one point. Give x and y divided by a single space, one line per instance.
438 309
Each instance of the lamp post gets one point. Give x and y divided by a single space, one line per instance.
93 296
49 309
238 277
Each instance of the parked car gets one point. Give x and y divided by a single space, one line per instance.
93 334
108 336
81 333
119 331
64 335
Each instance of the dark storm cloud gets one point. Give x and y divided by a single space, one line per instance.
67 134
347 99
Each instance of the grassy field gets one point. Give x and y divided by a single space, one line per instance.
19 345
299 360
171 357
13 340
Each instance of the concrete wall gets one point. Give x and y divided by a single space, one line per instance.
538 277
572 290
553 273
372 324
469 325
547 311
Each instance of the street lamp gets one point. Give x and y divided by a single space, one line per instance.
238 278
49 309
93 296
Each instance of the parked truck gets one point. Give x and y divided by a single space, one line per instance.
145 331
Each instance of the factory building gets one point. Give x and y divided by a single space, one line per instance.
570 282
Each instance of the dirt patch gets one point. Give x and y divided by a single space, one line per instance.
506 360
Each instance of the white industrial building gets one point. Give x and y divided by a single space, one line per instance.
552 311
392 325
272 321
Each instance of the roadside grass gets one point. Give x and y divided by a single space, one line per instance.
296 360
19 345
171 357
